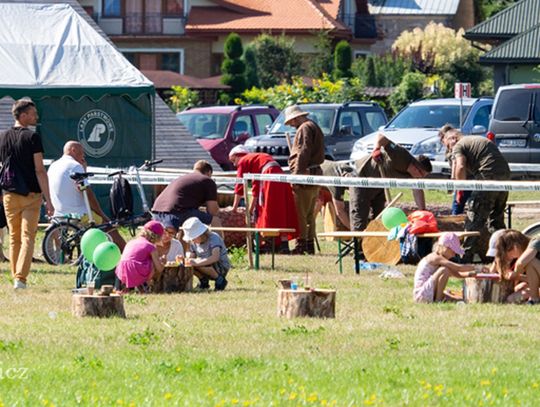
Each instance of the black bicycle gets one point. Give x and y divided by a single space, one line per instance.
61 243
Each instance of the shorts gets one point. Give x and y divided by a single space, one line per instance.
204 217
167 219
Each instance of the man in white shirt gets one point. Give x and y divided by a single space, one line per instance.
65 194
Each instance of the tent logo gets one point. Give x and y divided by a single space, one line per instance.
96 133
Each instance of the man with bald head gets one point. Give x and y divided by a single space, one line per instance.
65 194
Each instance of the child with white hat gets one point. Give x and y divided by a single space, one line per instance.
211 261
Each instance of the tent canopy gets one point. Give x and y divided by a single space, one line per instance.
50 50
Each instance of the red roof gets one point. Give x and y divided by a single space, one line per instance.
168 79
265 15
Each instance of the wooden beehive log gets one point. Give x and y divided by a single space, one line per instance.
172 280
480 290
307 303
98 306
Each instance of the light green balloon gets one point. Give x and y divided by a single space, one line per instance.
90 240
106 256
393 217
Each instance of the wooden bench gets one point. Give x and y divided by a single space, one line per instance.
511 204
264 232
354 236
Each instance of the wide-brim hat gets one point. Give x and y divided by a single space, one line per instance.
292 112
193 228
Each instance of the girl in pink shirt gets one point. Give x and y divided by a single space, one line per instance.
140 257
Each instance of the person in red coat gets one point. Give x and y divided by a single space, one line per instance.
273 204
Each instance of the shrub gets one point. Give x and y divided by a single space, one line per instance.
410 88
233 68
182 98
250 59
342 60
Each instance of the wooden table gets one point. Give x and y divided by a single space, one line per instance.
265 232
355 244
511 204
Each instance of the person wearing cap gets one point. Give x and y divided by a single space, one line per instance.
388 160
484 209
140 258
209 255
168 247
517 259
272 205
306 157
183 197
434 270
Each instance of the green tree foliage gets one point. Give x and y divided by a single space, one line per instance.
233 68
322 62
182 98
250 59
342 60
381 70
277 60
410 89
488 8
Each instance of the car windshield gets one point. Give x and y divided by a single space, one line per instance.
208 126
324 117
430 117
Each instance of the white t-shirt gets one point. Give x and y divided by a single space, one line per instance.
176 249
65 196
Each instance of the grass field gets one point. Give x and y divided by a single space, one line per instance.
230 348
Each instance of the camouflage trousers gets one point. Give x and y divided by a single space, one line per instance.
484 214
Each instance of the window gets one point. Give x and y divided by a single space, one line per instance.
481 118
263 120
206 126
513 105
112 8
173 7
170 61
243 125
374 121
349 124
151 61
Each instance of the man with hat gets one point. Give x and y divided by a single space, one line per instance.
388 160
306 157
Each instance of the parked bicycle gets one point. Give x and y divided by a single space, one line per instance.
61 243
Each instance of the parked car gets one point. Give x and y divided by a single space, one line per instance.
416 126
341 123
515 122
220 128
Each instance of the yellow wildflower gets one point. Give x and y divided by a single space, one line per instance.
494 371
120 402
534 385
485 382
210 392
167 396
234 401
292 396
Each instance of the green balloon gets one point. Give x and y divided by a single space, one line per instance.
106 256
393 217
90 240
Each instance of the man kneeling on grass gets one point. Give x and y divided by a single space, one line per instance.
209 257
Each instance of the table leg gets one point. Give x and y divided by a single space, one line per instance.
257 250
509 213
273 251
356 256
339 256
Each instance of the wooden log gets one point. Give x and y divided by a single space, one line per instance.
98 306
307 303
484 290
380 249
172 280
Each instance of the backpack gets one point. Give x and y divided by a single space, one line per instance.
412 249
422 222
121 199
87 272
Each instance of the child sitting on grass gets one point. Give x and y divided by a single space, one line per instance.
169 248
210 259
140 258
517 259
434 270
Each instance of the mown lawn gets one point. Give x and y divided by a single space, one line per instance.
230 348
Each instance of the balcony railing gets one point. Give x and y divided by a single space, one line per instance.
362 25
143 24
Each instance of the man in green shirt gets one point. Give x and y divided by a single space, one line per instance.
482 159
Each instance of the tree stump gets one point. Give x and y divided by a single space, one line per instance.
307 303
485 290
172 280
98 306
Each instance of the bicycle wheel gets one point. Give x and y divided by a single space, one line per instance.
533 231
61 243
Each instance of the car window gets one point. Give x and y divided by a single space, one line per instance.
263 120
374 121
205 125
323 117
513 105
481 118
349 124
426 116
243 125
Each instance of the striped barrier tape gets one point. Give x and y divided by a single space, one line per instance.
435 184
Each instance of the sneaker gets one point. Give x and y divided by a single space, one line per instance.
204 284
19 285
221 283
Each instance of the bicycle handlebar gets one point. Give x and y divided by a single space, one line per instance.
112 174
79 176
148 164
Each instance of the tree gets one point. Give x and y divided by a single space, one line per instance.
410 89
342 60
250 59
182 98
322 62
277 60
233 68
381 70
370 78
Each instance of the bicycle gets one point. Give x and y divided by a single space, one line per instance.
61 242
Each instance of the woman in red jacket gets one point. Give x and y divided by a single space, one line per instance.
272 205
